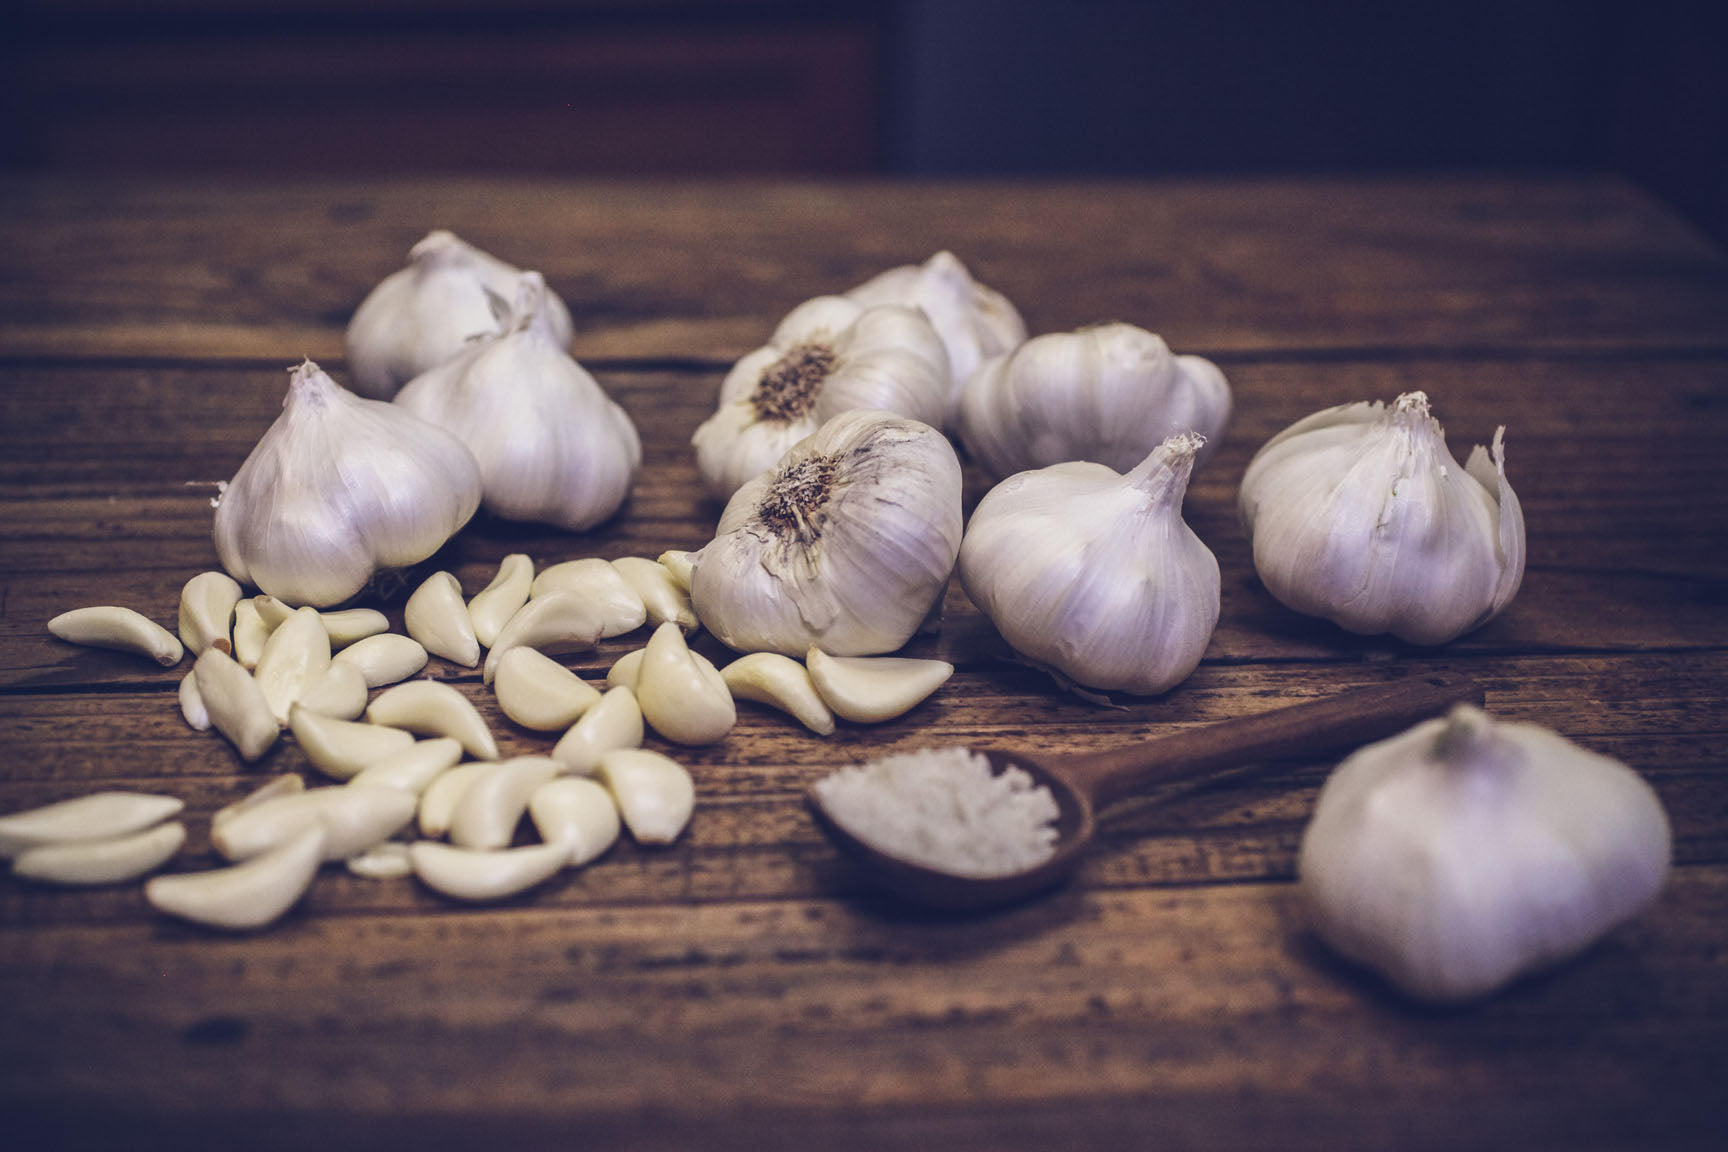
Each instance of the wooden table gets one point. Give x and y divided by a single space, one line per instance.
742 988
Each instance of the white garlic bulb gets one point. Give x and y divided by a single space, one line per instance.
1359 514
422 315
975 322
552 446
828 356
1094 574
1465 852
847 545
338 488
1109 394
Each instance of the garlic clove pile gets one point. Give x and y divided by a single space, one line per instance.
1466 852
337 488
1094 574
1360 515
423 315
1109 394
847 545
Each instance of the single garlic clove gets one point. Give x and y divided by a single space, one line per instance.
384 659
386 861
296 654
287 784
353 624
85 863
341 749
654 793
439 799
250 632
437 618
489 809
559 622
192 704
663 597
476 875
433 708
339 692
683 696
576 812
353 820
414 768
245 896
120 629
626 671
493 605
207 612
97 816
602 585
780 682
871 689
680 566
615 722
235 703
537 692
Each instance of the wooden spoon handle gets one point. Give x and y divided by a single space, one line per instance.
1344 721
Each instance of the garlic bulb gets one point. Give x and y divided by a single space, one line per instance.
337 488
1109 394
1465 852
552 446
1094 574
421 316
974 322
828 356
846 545
1358 514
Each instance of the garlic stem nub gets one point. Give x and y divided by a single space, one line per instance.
118 629
89 863
95 816
433 708
245 896
437 618
871 689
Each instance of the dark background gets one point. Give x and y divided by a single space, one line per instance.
920 87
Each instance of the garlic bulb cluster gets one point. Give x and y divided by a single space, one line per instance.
337 488
1108 394
1466 852
974 322
829 355
1094 574
1359 514
846 545
552 446
423 315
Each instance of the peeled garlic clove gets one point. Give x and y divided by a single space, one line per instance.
245 896
577 813
353 624
207 612
558 623
682 695
341 749
296 654
477 875
287 784
97 816
654 793
539 693
871 689
120 629
93 862
386 861
494 604
663 598
433 708
680 566
780 682
615 722
353 819
384 659
339 691
489 809
250 632
600 583
414 768
192 704
439 798
235 704
626 671
437 618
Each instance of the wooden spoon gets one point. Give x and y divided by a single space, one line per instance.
1083 784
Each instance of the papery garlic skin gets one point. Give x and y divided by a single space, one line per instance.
1360 515
423 315
552 446
1094 574
829 355
338 488
1466 852
1109 394
847 545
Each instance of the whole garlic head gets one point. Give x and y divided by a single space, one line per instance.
552 446
1359 514
1108 394
422 315
1094 574
846 545
337 488
828 356
1465 852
